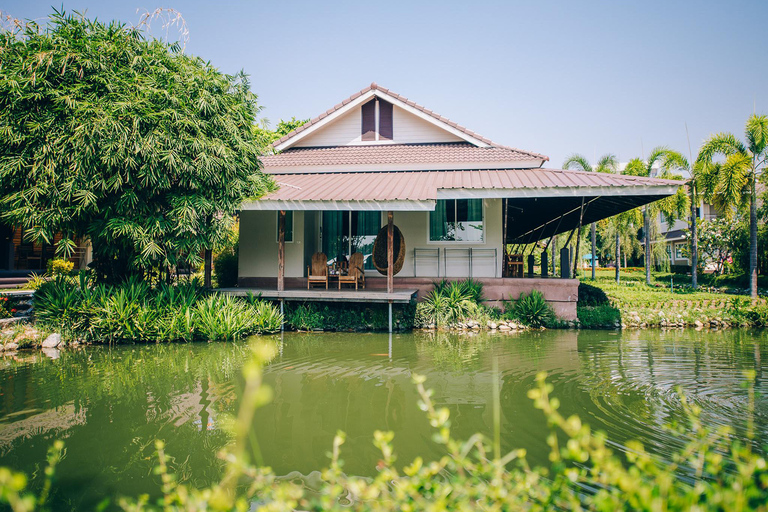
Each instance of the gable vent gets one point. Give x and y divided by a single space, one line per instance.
376 125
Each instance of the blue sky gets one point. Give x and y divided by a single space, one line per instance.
555 77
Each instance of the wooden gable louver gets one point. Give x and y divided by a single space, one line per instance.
369 128
369 121
385 120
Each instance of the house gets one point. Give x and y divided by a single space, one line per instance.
464 204
20 257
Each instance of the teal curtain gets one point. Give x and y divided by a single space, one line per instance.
474 220
365 227
333 234
437 222
474 210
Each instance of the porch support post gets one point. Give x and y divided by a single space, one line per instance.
504 237
281 250
390 255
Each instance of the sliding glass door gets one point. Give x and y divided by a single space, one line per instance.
344 233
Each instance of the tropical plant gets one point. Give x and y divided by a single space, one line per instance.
673 207
607 163
533 310
731 184
59 267
124 139
133 311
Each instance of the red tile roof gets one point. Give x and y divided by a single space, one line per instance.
423 185
459 152
410 103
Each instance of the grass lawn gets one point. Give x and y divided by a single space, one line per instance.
669 300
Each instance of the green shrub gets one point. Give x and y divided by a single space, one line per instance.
532 310
225 268
604 316
304 317
592 295
60 267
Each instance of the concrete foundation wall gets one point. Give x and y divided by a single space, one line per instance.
561 294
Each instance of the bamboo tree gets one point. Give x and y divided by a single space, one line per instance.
732 183
606 163
112 135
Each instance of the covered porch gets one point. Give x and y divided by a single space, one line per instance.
484 225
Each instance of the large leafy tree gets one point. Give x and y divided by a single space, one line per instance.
607 163
672 208
266 136
123 139
731 183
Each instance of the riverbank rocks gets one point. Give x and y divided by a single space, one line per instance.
52 341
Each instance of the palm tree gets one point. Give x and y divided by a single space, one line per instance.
607 163
672 207
732 183
621 231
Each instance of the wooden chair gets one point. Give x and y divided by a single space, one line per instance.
317 273
356 273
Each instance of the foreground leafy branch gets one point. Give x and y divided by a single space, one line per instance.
714 471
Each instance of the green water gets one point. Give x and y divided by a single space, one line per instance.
110 404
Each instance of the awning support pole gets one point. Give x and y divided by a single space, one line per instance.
574 268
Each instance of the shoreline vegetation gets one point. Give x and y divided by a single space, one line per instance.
82 311
715 469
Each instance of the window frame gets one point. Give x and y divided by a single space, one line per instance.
484 241
293 226
679 252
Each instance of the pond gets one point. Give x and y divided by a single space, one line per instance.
109 404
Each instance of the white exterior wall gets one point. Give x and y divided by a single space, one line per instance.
258 245
341 132
407 129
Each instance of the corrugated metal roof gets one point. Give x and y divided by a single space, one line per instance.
429 185
461 152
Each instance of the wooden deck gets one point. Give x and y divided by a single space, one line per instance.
320 294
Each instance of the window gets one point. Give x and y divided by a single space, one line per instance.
457 220
678 251
345 233
288 226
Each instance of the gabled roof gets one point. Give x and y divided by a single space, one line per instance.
399 156
375 90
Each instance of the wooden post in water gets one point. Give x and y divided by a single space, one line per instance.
390 261
281 250
390 253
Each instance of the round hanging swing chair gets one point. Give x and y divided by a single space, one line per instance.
379 255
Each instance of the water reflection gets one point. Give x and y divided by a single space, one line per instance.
110 404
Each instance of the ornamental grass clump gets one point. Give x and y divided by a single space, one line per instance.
532 310
450 302
135 312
